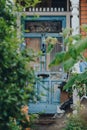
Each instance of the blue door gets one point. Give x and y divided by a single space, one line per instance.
36 30
49 96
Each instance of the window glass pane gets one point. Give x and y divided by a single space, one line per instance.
57 48
53 3
43 26
34 44
60 4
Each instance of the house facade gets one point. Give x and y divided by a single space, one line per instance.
47 19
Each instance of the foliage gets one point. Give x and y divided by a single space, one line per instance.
50 41
70 57
27 3
77 121
76 45
84 28
79 80
13 125
73 53
17 78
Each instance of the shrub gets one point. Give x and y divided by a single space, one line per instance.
77 121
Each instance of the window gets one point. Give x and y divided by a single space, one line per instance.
43 26
53 3
60 4
57 48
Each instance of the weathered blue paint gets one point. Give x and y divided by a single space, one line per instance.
49 94
47 89
45 18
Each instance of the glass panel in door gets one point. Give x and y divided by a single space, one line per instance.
58 47
34 44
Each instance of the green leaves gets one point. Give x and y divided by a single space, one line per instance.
59 58
35 2
26 4
84 27
17 78
66 32
73 52
76 45
49 48
71 56
68 64
70 83
76 121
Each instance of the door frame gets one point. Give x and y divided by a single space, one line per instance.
39 35
51 106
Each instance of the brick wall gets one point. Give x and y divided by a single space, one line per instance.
83 13
83 18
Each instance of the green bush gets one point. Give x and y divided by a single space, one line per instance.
75 122
17 79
